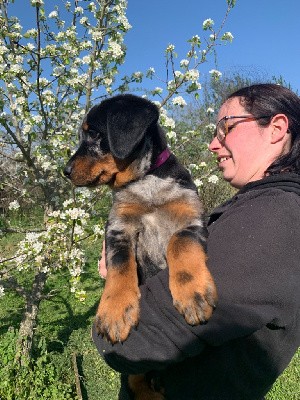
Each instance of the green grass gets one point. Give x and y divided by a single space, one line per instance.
287 386
64 326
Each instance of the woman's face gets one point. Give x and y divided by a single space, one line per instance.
246 152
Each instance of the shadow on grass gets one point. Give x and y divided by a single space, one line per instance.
12 309
72 322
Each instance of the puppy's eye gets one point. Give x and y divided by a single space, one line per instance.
93 134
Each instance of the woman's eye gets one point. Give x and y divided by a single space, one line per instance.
229 128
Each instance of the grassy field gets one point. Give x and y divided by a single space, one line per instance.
63 334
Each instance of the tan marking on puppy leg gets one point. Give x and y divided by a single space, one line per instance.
118 310
182 210
191 284
141 389
131 210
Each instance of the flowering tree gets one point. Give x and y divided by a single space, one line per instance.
51 74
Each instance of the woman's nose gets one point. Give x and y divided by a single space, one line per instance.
214 145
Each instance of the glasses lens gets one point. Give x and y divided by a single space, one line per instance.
221 129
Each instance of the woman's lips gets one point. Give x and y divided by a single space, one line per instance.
223 159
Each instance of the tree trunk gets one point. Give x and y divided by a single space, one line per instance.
24 342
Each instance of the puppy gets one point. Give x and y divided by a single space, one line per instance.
156 217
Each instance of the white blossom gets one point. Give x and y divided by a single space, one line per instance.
193 166
14 205
198 182
86 59
168 122
98 230
16 68
157 90
107 81
2 291
192 75
171 85
37 247
227 36
170 48
179 101
213 179
178 74
137 75
195 40
37 118
184 63
81 295
76 271
30 46
96 35
92 6
215 73
66 203
3 49
76 213
37 2
78 230
208 23
171 135
115 49
53 14
31 32
54 214
39 259
79 10
83 20
122 19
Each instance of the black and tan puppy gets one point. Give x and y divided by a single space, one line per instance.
156 216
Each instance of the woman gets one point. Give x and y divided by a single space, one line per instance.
253 254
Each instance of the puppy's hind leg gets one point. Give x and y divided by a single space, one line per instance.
141 390
118 310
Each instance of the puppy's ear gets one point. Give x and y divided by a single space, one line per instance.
128 119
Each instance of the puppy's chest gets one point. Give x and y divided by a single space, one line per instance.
156 202
150 211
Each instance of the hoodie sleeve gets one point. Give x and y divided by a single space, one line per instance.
253 251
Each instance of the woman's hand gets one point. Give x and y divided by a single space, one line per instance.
102 263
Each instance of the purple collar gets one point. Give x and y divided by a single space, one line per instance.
161 159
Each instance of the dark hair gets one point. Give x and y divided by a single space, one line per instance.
271 99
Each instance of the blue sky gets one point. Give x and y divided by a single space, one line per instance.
266 35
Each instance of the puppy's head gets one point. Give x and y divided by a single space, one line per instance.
113 136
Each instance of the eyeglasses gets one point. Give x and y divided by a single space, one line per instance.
222 128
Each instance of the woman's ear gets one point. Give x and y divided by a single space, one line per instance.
280 127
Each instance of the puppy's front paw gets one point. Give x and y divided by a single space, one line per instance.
192 287
117 314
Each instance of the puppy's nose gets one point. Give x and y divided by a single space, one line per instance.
67 171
